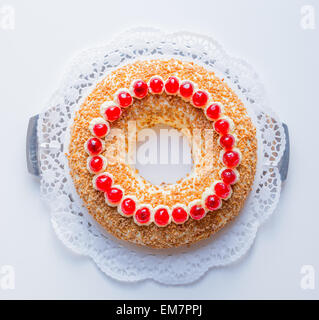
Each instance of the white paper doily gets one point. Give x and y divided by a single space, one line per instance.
70 219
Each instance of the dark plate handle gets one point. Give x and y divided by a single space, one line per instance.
32 146
284 162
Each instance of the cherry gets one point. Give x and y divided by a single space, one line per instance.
140 89
156 85
197 212
213 111
114 195
100 130
96 164
231 159
124 99
227 141
179 215
200 98
212 202
172 85
128 206
103 182
222 126
161 217
143 215
94 146
113 113
186 89
228 176
222 190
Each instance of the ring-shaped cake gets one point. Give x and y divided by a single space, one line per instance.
189 98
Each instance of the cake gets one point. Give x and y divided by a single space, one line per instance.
142 95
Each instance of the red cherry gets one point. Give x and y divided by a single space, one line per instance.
100 130
96 164
200 98
103 182
113 113
231 159
213 111
143 215
222 126
227 141
128 206
197 212
222 190
212 202
186 89
161 217
114 195
94 146
172 85
125 99
228 176
140 89
156 85
179 215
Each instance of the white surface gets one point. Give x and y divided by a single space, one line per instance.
265 33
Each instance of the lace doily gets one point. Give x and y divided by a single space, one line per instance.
70 219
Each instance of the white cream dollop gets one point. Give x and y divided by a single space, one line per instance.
119 207
150 208
100 174
88 164
169 213
113 204
99 120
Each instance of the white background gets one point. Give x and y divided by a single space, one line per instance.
265 33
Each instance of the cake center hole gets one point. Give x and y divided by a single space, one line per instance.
163 155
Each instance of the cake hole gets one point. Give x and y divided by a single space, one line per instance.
163 155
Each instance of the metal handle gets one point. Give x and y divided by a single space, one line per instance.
284 162
32 147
